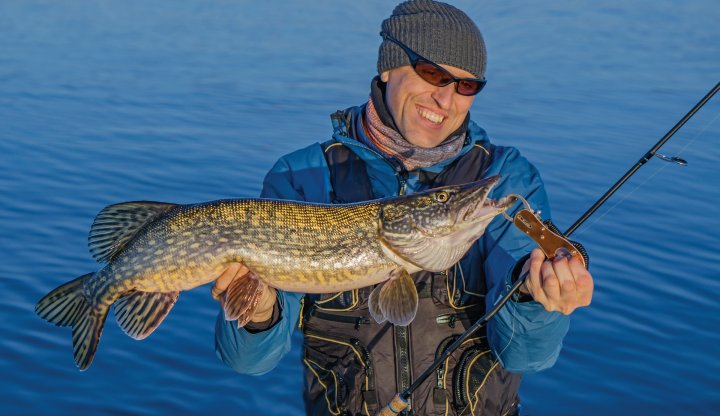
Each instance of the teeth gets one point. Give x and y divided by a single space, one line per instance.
435 118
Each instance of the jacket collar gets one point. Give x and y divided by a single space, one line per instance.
347 126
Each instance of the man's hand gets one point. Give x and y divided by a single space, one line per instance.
264 309
560 284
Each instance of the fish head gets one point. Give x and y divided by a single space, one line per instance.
433 229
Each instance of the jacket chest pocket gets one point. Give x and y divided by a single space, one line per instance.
480 385
339 367
341 301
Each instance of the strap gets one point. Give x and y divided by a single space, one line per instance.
469 167
348 174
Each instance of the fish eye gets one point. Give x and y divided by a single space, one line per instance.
442 197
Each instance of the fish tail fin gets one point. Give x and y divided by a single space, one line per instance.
67 305
64 305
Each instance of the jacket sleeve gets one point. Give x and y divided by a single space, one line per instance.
258 353
524 336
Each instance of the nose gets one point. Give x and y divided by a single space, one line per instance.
443 96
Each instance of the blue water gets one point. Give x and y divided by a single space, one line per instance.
188 101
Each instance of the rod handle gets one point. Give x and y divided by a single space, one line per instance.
396 405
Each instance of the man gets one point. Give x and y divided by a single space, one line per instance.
415 133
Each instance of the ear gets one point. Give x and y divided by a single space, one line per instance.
385 76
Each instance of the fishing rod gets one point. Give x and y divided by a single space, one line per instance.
400 401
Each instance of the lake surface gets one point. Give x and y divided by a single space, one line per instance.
188 101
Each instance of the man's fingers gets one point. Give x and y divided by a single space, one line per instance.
264 310
583 282
561 267
550 282
233 271
534 281
562 284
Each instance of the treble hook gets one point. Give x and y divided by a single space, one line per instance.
680 161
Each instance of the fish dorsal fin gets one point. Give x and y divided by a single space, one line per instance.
116 224
139 313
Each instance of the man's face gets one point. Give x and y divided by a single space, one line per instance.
425 114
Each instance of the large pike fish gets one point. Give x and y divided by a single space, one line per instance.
155 250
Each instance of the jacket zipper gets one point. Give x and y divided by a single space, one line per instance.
355 320
460 375
403 358
369 369
441 370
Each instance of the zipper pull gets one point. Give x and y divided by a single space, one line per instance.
402 178
448 319
302 307
361 320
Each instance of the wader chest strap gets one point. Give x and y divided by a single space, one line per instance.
348 174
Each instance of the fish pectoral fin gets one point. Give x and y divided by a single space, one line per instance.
374 305
139 313
398 298
242 297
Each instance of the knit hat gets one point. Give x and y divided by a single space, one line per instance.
437 31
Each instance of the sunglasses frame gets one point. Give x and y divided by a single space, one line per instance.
415 57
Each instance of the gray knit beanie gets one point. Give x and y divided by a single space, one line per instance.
437 31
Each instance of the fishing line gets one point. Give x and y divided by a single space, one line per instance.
657 171
514 319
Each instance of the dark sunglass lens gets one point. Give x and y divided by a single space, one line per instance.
432 73
469 87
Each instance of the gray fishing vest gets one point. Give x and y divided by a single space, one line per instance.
354 366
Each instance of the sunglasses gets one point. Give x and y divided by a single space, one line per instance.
437 75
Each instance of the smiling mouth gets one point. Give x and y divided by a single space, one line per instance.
432 117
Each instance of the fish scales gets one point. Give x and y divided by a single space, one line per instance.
290 246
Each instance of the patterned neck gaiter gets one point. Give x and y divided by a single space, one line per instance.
392 143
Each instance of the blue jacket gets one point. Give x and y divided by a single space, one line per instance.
523 336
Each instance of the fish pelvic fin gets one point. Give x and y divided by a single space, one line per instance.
374 305
117 224
242 297
67 305
398 298
140 313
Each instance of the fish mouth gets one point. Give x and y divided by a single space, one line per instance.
484 209
475 205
